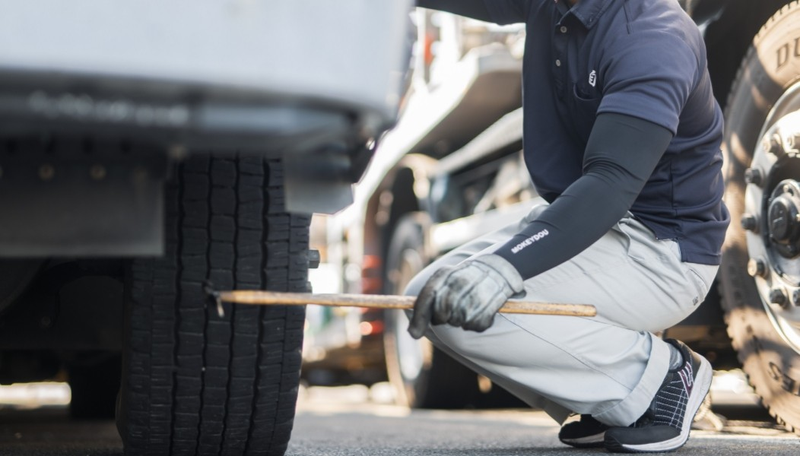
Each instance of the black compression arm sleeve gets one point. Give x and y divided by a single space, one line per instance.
475 9
621 154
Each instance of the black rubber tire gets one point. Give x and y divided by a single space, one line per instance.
770 363
94 388
443 383
194 382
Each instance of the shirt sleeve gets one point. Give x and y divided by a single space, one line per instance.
498 11
475 9
649 76
505 12
621 154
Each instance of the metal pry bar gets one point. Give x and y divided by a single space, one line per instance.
513 306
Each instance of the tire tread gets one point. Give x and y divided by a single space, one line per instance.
740 313
198 383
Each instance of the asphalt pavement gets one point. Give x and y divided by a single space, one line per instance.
340 422
354 420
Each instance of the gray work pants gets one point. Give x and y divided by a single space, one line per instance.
609 366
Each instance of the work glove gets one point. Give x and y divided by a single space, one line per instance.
466 295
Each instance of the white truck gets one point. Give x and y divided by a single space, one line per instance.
149 147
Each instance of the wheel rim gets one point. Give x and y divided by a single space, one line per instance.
411 353
772 217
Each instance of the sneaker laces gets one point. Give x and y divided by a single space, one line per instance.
669 405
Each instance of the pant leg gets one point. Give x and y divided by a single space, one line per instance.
610 365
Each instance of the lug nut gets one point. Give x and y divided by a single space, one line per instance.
773 145
778 296
756 268
796 297
313 259
793 141
749 222
754 176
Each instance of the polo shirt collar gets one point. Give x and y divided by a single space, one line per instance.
587 11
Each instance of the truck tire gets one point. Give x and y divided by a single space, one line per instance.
760 272
195 382
422 376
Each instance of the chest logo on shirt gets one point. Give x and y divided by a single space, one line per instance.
593 78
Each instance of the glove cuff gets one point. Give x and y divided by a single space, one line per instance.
504 269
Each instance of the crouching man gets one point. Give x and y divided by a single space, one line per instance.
622 141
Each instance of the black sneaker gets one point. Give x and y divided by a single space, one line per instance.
586 433
666 424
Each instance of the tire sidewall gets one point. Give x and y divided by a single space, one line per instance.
772 366
443 382
409 235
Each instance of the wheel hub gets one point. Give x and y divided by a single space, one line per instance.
784 218
772 216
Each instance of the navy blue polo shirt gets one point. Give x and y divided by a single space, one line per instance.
641 58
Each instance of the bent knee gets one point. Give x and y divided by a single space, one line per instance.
416 284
